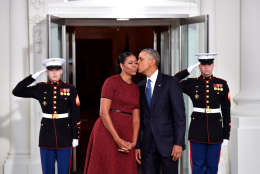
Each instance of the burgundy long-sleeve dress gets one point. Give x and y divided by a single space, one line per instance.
102 154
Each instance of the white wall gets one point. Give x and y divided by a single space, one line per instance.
5 80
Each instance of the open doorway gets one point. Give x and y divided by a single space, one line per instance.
91 47
97 52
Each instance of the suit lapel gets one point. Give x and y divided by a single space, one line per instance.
157 88
142 87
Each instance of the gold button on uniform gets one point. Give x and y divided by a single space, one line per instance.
207 96
207 91
207 81
207 86
55 87
54 92
207 101
54 102
54 96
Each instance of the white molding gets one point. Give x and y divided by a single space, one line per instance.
123 9
245 135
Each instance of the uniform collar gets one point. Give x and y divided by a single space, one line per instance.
206 78
55 83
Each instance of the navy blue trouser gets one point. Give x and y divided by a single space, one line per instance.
153 162
62 156
204 158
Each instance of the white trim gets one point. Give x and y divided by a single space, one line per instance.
123 9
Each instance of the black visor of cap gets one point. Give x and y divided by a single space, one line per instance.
206 62
54 67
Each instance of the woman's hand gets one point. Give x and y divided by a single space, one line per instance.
124 146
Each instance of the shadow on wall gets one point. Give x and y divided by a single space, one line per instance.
12 119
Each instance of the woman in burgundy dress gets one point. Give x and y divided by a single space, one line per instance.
114 136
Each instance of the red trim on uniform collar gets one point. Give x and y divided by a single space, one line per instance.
206 78
55 83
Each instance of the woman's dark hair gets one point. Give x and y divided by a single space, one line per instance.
121 59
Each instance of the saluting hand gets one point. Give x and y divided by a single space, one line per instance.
37 74
192 67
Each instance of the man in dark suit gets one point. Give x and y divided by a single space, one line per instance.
163 123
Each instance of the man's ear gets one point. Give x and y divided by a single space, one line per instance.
154 62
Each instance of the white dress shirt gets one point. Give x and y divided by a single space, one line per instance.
153 79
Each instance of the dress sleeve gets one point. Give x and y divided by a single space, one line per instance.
108 89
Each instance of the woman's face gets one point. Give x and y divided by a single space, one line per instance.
130 65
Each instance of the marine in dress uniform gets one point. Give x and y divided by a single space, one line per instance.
60 114
210 119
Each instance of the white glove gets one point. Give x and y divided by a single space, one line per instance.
37 74
75 142
225 143
192 67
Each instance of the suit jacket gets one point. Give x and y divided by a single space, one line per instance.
165 121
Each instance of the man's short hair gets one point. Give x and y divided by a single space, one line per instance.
154 54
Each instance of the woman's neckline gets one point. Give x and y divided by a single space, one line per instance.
125 81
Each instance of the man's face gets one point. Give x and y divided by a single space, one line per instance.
54 74
144 62
206 70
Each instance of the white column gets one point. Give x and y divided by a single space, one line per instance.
19 61
246 116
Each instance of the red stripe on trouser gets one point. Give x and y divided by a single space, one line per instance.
190 158
219 154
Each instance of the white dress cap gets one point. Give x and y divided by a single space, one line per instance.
53 62
206 56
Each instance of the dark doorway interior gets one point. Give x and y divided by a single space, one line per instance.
93 67
97 49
